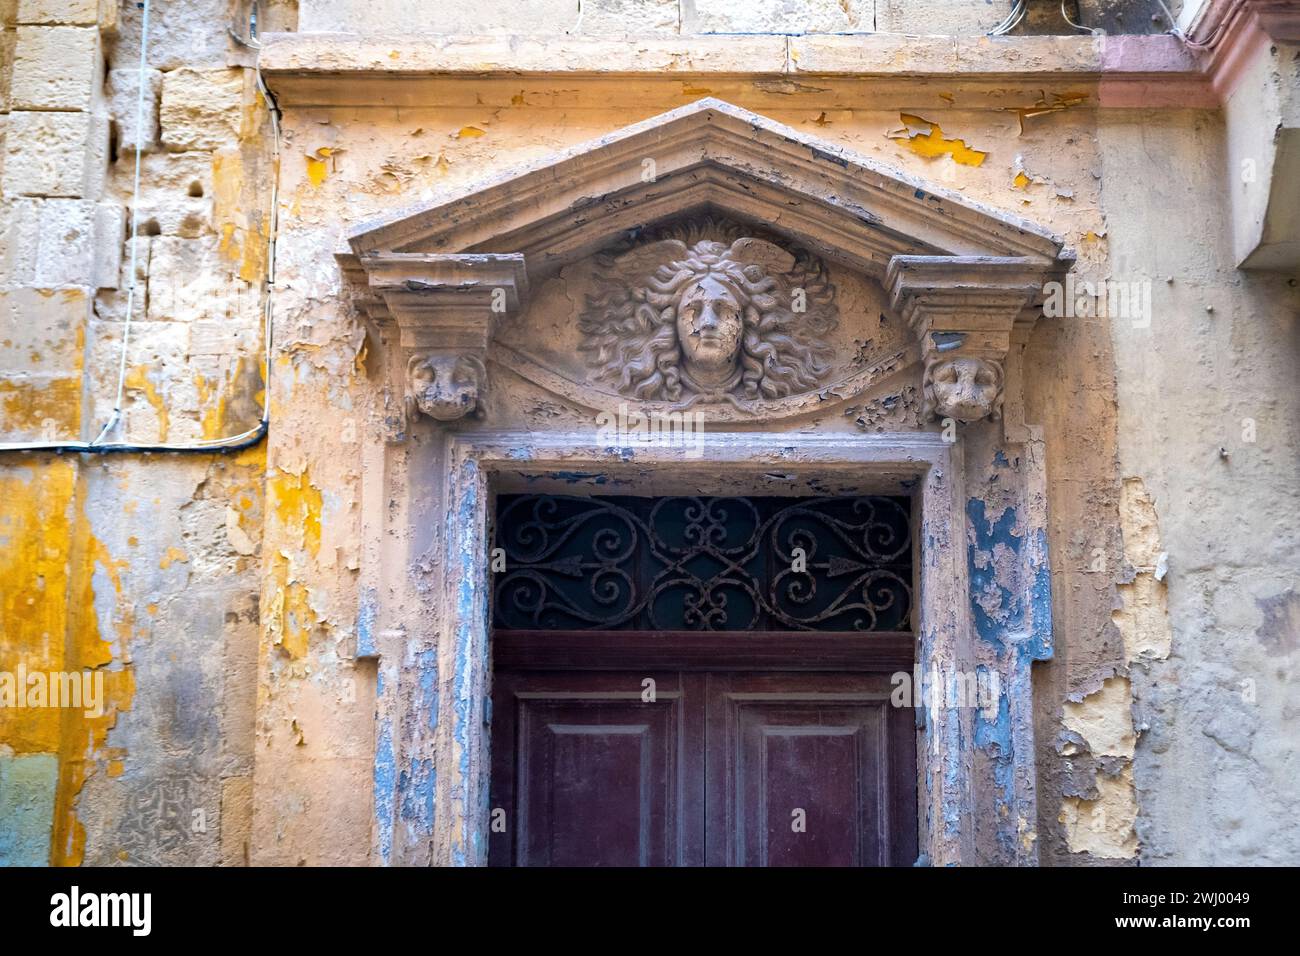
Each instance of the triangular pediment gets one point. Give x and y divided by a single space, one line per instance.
709 192
710 156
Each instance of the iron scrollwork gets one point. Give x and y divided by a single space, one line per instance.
704 563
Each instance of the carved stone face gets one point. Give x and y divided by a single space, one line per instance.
699 318
709 326
443 387
965 388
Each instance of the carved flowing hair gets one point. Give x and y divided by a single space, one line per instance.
630 323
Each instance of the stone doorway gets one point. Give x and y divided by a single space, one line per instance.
832 326
692 680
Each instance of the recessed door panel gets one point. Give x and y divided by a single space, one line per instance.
589 772
802 769
732 769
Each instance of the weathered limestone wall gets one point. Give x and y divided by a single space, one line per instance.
142 567
220 594
360 164
1210 465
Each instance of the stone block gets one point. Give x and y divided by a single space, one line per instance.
7 40
201 109
123 87
67 12
191 279
780 16
62 242
176 194
938 17
42 331
61 155
513 17
628 17
56 68
182 33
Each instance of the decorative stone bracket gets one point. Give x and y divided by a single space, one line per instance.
963 311
437 311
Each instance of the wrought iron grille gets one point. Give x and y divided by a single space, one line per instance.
707 564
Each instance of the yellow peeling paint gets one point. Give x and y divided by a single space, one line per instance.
297 504
1143 617
926 139
1021 181
469 132
137 380
1104 719
243 229
172 556
213 399
50 623
298 620
318 165
52 407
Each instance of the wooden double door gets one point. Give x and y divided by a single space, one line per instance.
711 764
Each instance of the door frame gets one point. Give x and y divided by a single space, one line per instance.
923 464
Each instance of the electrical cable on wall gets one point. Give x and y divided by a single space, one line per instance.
245 439
1018 10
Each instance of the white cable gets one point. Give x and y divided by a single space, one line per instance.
1012 20
1077 26
135 227
206 444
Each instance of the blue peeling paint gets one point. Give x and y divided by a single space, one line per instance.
993 738
366 612
468 593
952 775
385 793
27 785
1040 646
426 671
417 784
983 573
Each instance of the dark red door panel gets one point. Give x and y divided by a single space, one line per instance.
588 773
729 769
809 770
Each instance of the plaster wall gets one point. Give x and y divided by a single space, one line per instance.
377 156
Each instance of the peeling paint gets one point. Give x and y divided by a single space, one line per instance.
925 138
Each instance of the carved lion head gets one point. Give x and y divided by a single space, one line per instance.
444 387
964 388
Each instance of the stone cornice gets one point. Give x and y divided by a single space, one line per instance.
1229 33
709 153
1001 72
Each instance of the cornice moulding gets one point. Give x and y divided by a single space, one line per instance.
1122 71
